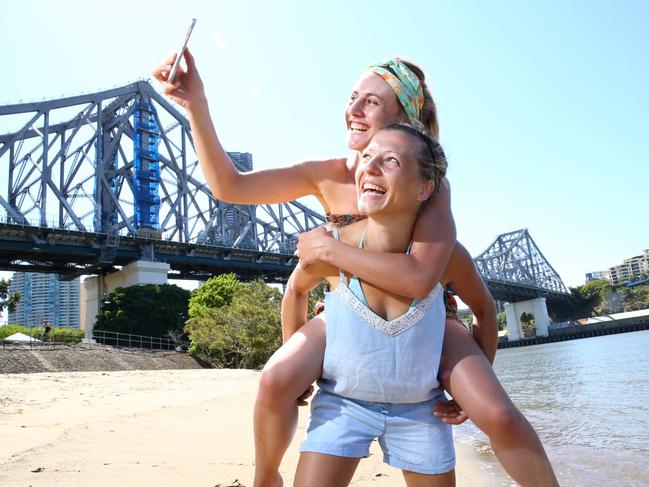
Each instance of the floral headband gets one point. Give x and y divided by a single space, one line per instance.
404 83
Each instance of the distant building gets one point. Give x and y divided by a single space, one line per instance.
598 276
630 269
238 217
44 297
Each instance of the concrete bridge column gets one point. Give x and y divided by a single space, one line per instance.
95 287
514 331
540 311
537 307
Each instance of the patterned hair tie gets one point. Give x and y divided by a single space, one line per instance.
405 84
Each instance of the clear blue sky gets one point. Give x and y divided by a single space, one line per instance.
543 105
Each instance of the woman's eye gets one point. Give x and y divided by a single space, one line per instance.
372 101
393 161
365 156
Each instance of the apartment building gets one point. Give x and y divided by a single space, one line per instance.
44 297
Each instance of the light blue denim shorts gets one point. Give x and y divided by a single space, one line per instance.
410 437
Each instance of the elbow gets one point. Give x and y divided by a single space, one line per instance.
421 288
225 188
220 193
485 314
293 290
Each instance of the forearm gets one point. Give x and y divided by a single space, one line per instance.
396 273
220 174
294 310
414 274
485 331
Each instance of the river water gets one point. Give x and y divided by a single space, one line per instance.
588 400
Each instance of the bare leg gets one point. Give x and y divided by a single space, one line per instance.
474 385
288 373
320 470
420 480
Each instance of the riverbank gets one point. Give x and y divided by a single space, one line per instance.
154 427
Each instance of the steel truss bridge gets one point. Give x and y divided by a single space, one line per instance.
96 181
514 269
93 182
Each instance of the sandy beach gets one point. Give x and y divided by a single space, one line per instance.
154 427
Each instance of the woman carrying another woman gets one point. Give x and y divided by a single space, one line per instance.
379 376
375 102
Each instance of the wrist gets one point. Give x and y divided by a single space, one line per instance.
197 106
326 251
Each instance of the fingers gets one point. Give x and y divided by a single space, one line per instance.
162 71
455 421
169 89
189 59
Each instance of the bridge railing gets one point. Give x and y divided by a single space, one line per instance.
50 221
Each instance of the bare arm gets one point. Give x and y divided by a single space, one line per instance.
464 279
411 275
225 182
296 297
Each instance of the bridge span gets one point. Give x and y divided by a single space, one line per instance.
92 183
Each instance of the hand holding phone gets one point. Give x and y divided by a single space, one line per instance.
174 69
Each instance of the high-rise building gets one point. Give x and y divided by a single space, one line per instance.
44 297
630 269
238 217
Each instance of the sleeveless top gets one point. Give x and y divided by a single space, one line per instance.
335 221
368 358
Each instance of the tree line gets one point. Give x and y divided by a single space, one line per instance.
226 322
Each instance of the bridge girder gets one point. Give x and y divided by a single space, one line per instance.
73 164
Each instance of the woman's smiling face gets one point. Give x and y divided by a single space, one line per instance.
372 105
388 179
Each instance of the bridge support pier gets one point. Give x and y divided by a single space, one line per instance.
535 306
94 288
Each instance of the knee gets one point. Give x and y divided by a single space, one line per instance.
275 384
502 420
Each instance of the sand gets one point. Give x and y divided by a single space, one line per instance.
154 427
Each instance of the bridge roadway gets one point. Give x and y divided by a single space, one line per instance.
71 253
74 253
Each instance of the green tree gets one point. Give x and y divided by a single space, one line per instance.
594 298
150 310
315 295
241 334
213 293
528 324
7 300
502 321
635 298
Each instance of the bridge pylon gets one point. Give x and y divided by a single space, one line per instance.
537 307
94 288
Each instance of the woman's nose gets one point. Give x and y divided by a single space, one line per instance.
356 107
372 166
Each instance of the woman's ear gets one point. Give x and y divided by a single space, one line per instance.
427 188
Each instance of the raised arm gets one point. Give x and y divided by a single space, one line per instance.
464 279
225 182
411 275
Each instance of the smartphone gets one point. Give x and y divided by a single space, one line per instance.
174 68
